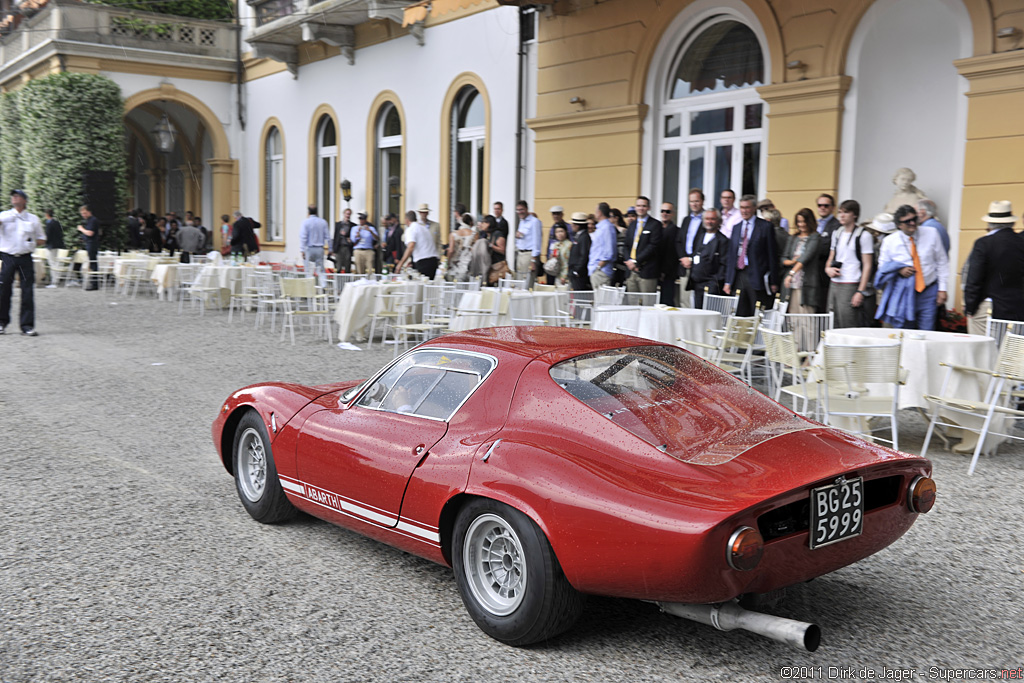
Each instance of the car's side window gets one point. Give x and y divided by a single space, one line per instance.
429 383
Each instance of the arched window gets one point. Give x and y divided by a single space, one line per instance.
326 181
710 131
274 186
389 161
469 137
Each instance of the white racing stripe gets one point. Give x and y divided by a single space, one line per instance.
333 501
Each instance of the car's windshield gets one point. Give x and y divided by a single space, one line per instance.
676 402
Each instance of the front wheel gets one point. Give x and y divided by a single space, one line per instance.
509 577
255 474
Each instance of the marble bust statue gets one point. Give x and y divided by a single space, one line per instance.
906 192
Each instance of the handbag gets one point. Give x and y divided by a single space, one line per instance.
551 266
498 271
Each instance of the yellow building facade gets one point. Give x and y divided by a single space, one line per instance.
849 91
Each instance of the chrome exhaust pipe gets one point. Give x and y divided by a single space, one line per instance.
727 616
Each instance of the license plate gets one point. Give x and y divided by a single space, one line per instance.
837 512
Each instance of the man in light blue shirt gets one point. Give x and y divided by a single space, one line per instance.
926 216
602 248
312 238
528 237
364 244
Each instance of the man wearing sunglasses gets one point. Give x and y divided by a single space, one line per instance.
914 269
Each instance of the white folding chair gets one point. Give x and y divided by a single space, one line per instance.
580 308
723 304
606 295
996 402
862 382
302 301
808 328
627 320
639 298
510 283
521 311
734 345
997 329
784 360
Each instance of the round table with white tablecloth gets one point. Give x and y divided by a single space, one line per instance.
468 317
357 300
664 324
922 353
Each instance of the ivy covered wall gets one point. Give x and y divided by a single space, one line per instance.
53 130
196 9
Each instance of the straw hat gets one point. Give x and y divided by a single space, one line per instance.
424 208
1000 212
883 223
579 218
557 209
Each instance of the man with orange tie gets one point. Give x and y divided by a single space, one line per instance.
919 252
643 257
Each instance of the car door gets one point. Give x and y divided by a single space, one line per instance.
357 459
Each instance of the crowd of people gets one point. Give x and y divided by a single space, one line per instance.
892 269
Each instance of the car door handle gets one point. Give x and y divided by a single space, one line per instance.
490 450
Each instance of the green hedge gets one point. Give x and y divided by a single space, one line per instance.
197 9
53 130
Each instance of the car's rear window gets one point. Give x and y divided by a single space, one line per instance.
676 402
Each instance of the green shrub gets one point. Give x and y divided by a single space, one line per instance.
219 10
67 124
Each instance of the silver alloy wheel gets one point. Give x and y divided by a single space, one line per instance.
495 564
252 465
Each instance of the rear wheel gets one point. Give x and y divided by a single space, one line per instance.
509 577
255 474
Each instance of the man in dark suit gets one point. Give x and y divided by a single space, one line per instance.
669 256
688 229
752 269
827 224
996 267
643 256
499 210
341 243
579 255
709 258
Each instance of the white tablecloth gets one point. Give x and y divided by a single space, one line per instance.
165 276
921 355
664 324
544 304
355 305
922 352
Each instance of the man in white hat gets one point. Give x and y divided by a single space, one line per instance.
433 226
995 269
364 238
557 221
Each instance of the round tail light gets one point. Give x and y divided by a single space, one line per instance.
745 549
921 495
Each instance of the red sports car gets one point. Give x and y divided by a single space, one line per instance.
544 464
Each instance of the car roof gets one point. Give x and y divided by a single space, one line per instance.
551 344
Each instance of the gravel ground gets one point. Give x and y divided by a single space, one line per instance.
126 556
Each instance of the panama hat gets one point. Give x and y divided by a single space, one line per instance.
423 208
579 217
883 222
1000 212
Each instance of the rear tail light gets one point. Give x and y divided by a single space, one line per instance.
921 494
745 549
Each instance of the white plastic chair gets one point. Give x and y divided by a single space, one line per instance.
784 360
846 372
997 400
639 298
302 301
721 303
734 345
997 328
808 328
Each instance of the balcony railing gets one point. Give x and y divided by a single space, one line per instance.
103 25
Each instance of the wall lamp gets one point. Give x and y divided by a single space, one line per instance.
1008 32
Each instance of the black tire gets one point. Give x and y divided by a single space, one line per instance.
255 473
520 595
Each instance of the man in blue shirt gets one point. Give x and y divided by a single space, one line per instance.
364 243
602 248
926 216
312 238
528 237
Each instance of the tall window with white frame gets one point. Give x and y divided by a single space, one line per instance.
274 186
469 139
710 130
389 161
326 182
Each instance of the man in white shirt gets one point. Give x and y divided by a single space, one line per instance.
528 238
849 267
920 248
730 214
20 233
432 226
420 248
